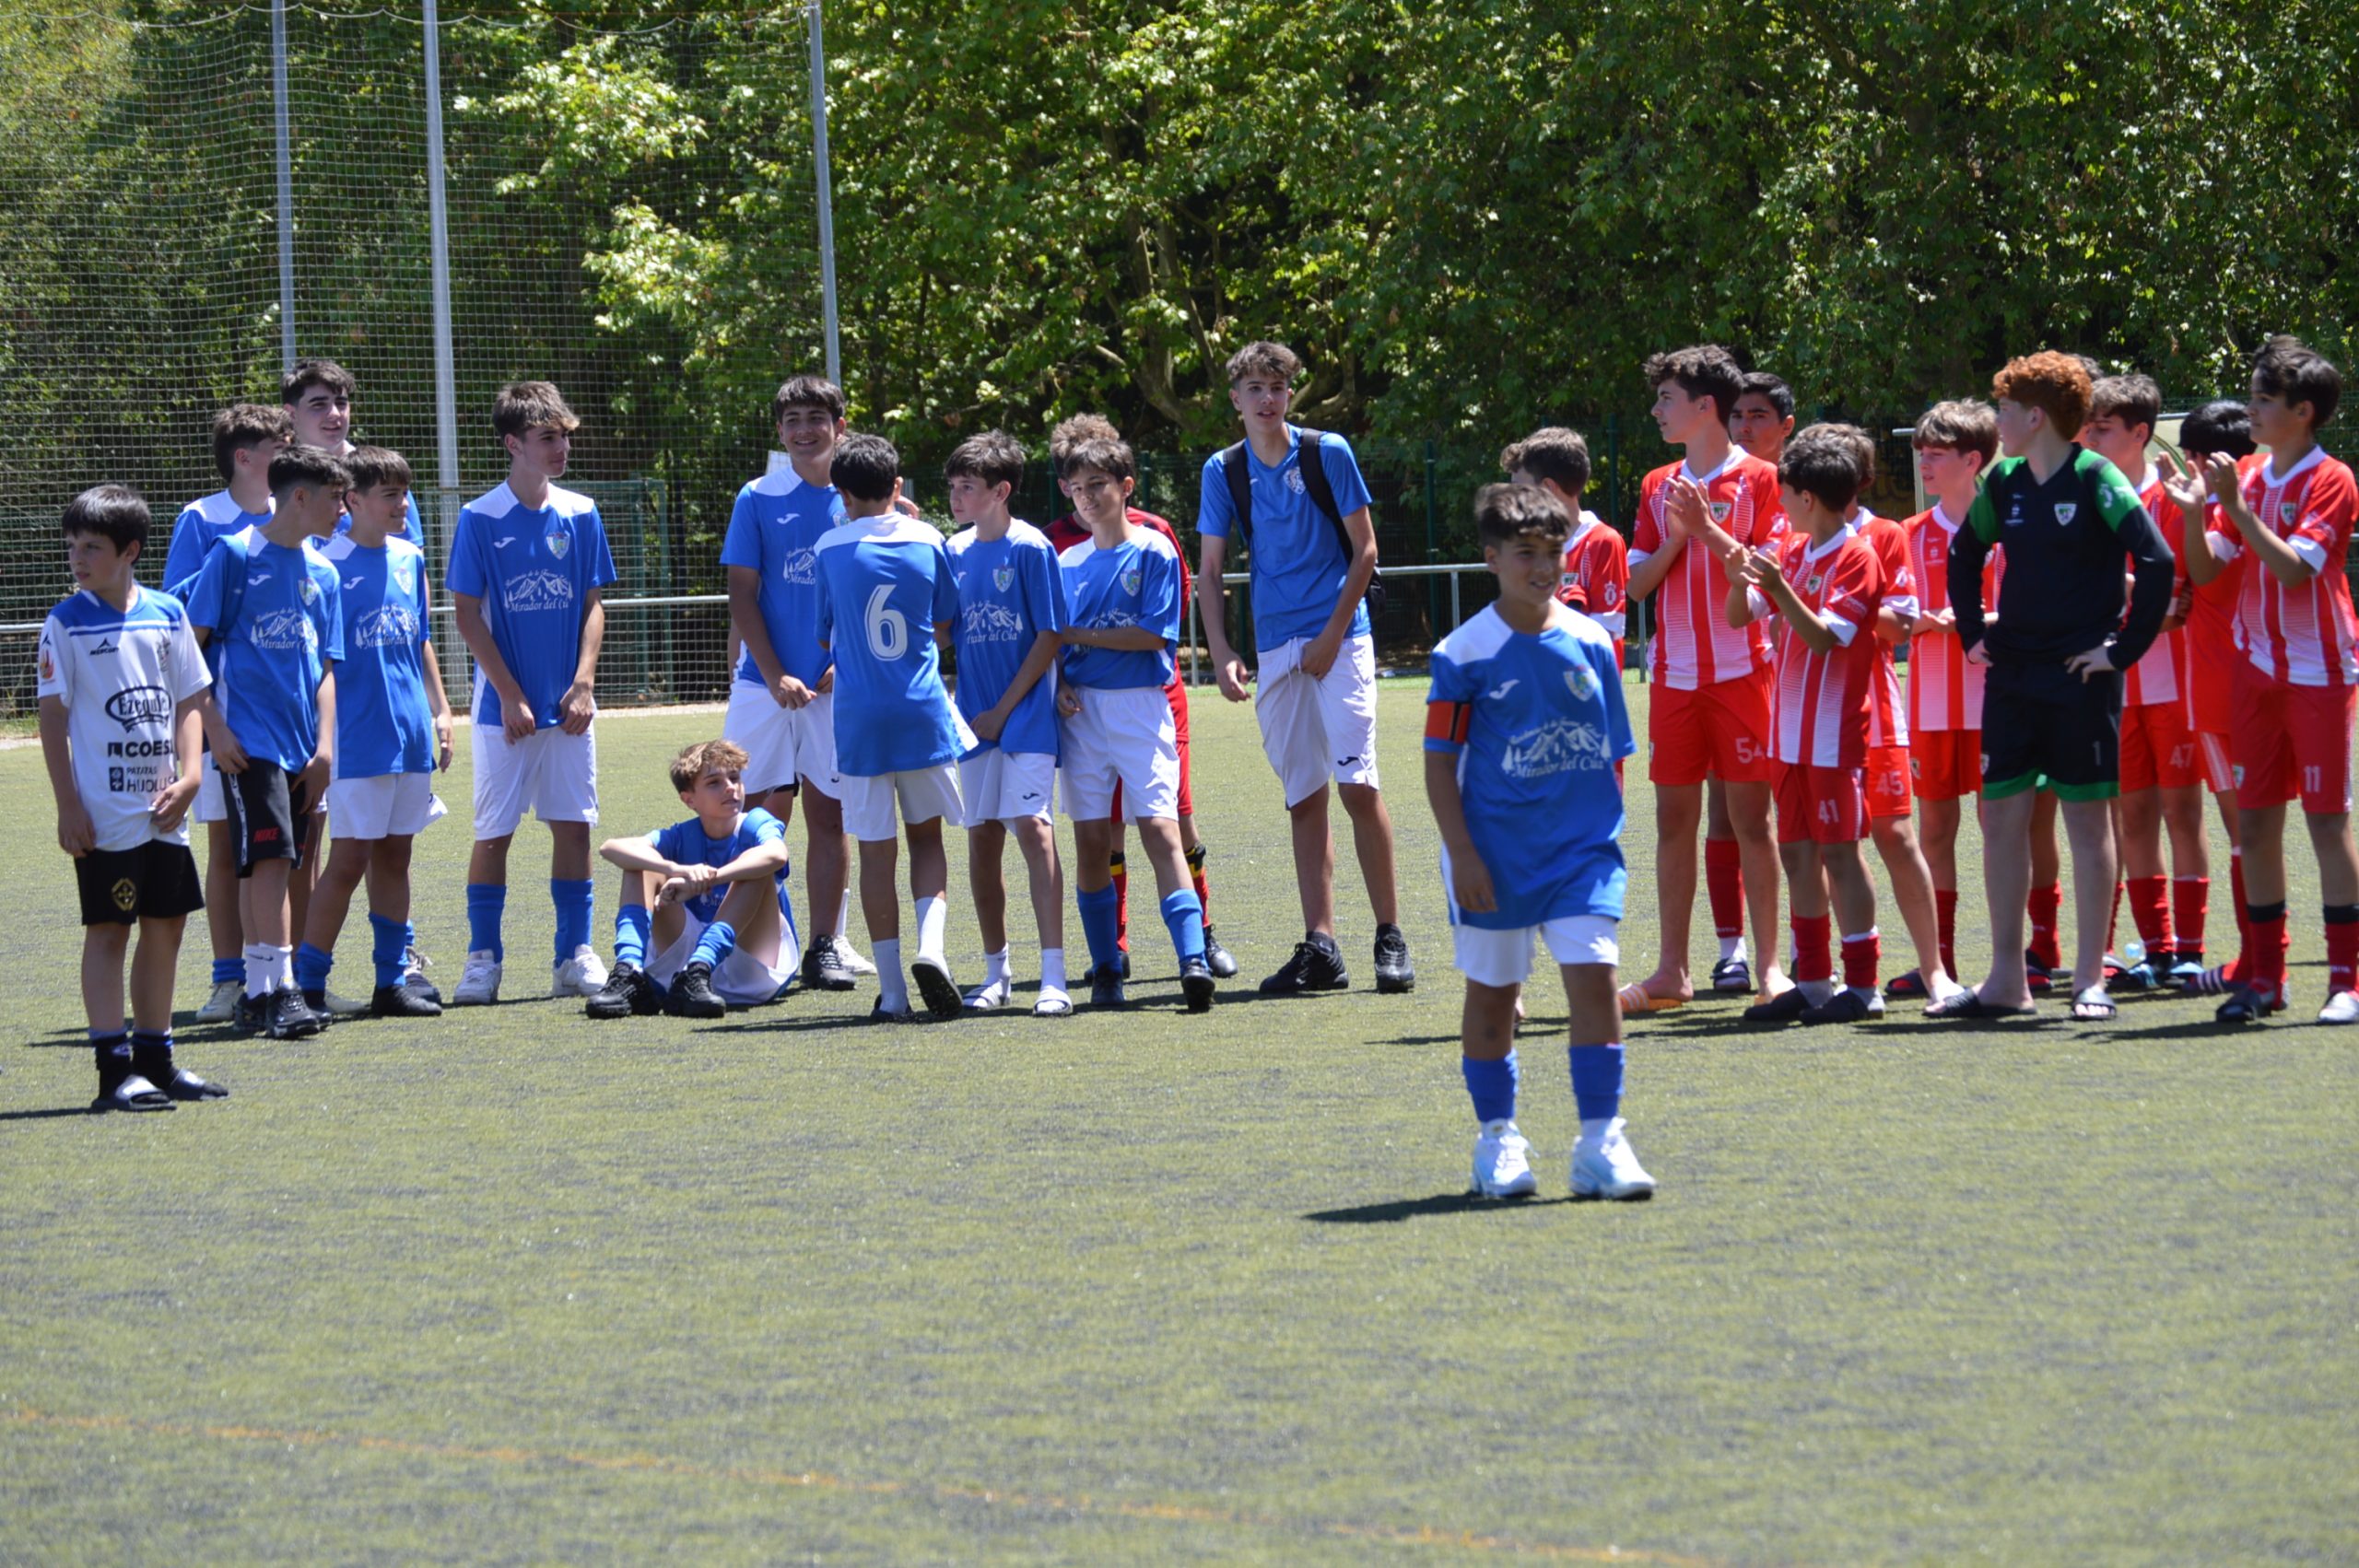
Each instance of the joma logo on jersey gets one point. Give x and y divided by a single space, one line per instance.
135 706
1561 745
538 590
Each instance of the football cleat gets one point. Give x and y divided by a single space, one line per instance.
1317 966
853 963
2342 1007
335 1006
1605 1167
285 1016
1106 986
478 983
1503 1163
1196 982
936 988
584 974
1395 973
692 994
222 1005
412 998
1223 962
628 991
824 967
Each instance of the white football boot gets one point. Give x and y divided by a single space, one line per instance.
478 983
584 974
1605 1167
1503 1163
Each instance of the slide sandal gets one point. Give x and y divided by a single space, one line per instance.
1636 998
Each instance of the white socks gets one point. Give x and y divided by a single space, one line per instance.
934 918
892 986
995 967
1732 947
268 969
1053 969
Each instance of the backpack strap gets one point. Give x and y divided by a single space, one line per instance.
1313 464
1240 492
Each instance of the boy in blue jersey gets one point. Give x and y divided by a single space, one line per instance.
886 592
392 732
246 436
1523 726
707 895
275 608
1011 607
1122 592
528 564
1310 545
782 702
121 688
318 395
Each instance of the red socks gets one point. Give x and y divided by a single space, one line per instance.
2150 908
1813 954
1724 881
2041 907
1121 901
1196 876
2190 906
1862 954
2266 956
1945 918
2342 948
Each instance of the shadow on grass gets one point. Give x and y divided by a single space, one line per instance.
47 1114
1403 1209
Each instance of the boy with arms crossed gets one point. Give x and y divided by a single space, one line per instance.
1317 657
1826 586
2052 697
1011 607
1711 701
2293 514
527 566
276 609
782 703
1525 723
120 687
1122 590
392 732
886 592
707 895
246 436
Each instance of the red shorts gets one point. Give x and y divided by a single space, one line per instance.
1945 765
2212 687
2291 740
1177 695
2157 748
1821 805
1886 780
1721 731
2211 760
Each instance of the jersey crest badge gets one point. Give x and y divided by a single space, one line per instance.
2287 512
1131 580
1294 480
1816 580
558 544
308 590
2065 511
1719 511
1581 681
1002 577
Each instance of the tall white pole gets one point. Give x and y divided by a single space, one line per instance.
826 200
286 187
446 394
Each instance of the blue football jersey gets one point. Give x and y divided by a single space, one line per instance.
685 844
1010 591
384 723
1136 583
288 627
774 529
534 572
1536 724
201 525
1296 561
884 584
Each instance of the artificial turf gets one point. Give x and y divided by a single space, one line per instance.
518 1287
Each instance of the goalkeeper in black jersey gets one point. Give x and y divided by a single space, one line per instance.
2073 532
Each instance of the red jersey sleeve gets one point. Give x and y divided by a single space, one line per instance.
1646 535
2329 508
1855 587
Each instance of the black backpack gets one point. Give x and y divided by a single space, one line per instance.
1314 481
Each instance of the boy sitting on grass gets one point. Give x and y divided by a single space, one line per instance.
708 895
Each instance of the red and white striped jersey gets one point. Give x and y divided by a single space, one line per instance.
1945 687
1824 700
2161 674
1694 644
2305 636
2211 629
1888 724
1597 576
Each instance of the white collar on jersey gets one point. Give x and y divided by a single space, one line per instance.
1943 517
2311 458
1581 525
1849 532
1736 455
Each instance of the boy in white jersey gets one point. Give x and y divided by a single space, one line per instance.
1123 590
782 700
246 436
276 607
392 733
886 593
120 688
1309 542
528 566
1953 441
1011 607
707 896
1523 726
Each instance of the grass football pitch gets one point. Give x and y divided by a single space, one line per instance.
513 1287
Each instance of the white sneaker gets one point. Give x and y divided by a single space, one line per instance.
989 995
1503 1163
2342 1007
478 983
222 1005
1605 1167
584 974
343 1006
851 960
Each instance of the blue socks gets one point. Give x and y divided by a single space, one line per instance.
388 947
632 925
1491 1085
720 940
1099 914
1597 1081
486 901
1185 917
574 901
228 969
312 966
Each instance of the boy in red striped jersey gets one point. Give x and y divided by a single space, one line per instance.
2219 426
2161 777
1826 586
1596 578
1955 443
2293 514
1711 709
